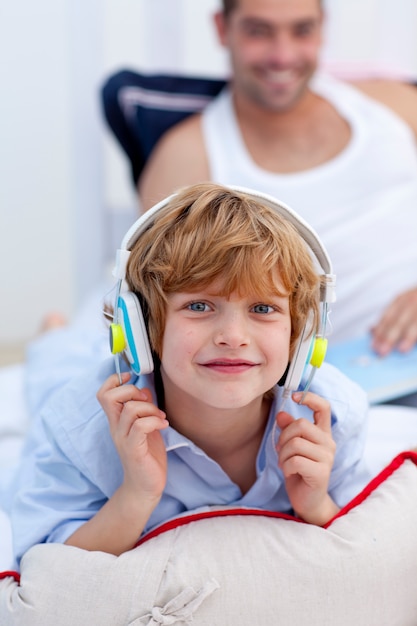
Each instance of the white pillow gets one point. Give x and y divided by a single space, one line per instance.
239 567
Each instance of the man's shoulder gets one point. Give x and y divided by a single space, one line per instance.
182 142
400 97
179 159
188 131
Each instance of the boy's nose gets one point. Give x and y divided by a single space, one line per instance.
232 331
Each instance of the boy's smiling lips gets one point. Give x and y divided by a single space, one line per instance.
229 366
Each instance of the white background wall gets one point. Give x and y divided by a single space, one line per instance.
64 185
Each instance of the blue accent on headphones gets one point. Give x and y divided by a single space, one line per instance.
135 364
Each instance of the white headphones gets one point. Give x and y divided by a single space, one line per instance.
128 332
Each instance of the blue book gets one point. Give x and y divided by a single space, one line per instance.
383 378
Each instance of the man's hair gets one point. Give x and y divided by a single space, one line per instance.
209 233
230 5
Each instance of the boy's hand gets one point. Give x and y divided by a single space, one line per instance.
135 423
306 454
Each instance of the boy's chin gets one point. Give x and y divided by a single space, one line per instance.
232 402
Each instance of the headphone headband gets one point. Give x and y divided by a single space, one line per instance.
304 230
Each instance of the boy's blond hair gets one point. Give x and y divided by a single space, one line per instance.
209 233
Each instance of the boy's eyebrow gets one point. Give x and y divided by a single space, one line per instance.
256 297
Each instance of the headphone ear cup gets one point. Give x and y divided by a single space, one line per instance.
116 339
309 350
301 358
137 348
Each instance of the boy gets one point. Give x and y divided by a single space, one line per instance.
227 287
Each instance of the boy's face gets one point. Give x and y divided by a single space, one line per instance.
274 47
224 353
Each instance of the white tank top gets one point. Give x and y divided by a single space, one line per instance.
362 203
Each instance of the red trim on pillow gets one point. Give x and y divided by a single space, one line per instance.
10 574
375 483
194 517
361 497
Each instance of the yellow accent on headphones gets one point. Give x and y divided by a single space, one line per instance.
117 339
319 352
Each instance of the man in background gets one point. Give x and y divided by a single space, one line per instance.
343 156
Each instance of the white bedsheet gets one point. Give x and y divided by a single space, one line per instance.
392 429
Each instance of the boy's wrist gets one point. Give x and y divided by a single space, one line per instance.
136 504
321 514
117 526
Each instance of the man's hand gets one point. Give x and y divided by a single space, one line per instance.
397 327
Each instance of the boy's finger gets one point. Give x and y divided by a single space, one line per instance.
146 417
147 394
113 381
319 406
283 419
126 393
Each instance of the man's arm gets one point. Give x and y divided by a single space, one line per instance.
397 326
179 159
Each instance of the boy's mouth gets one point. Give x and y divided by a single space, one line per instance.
230 366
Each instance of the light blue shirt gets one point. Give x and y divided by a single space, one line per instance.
71 467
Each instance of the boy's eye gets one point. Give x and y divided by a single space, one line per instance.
263 308
198 306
